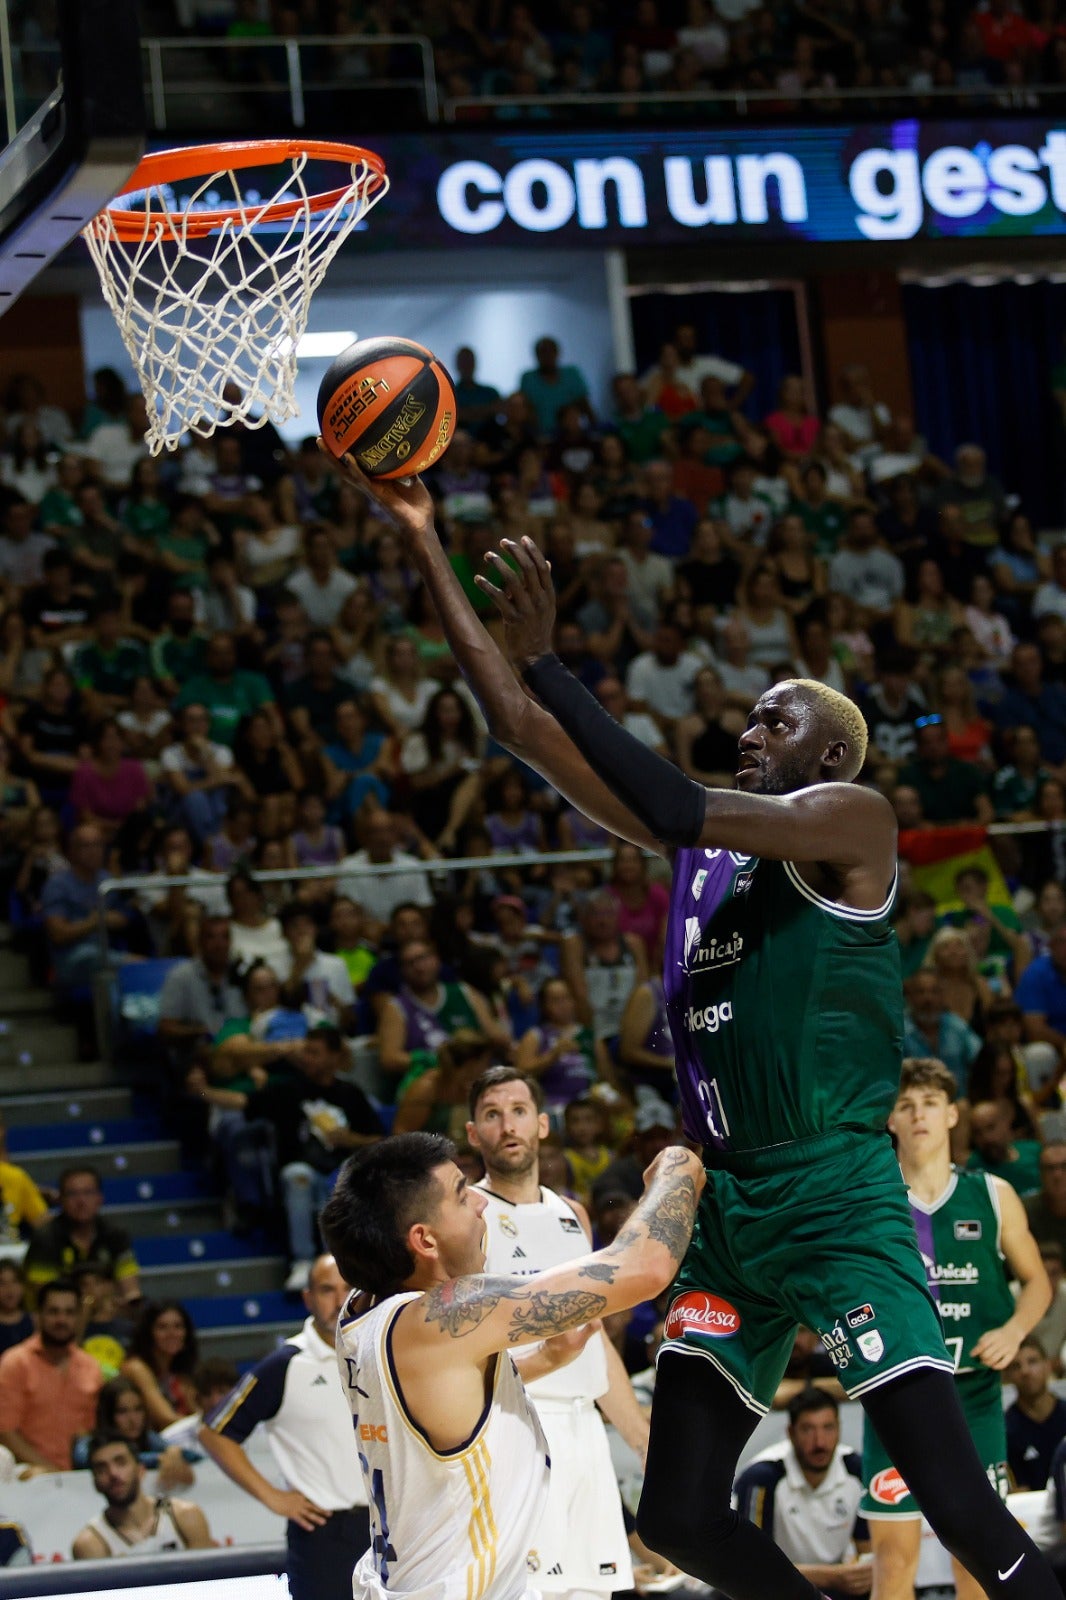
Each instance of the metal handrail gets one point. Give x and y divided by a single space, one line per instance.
385 869
739 100
292 48
156 86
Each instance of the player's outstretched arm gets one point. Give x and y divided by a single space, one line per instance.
472 1318
835 823
523 727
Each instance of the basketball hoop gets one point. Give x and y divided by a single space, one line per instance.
214 290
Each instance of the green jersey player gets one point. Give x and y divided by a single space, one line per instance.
804 1218
972 1231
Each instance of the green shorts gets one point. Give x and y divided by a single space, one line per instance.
887 1496
817 1233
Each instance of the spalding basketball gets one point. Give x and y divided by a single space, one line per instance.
389 402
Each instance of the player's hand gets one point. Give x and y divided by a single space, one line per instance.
524 596
296 1507
405 502
853 1577
998 1347
563 1348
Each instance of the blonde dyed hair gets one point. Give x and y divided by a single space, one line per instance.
842 717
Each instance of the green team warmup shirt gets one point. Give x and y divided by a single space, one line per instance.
959 1238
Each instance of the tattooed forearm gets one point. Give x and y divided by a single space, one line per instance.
602 1271
546 1313
463 1304
671 1220
665 1214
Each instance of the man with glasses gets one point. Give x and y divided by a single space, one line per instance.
950 790
1046 1209
77 1234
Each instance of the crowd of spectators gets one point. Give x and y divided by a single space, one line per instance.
658 47
220 665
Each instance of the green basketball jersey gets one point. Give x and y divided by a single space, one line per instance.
959 1237
786 1010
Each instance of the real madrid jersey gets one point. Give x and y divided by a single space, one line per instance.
446 1525
523 1239
786 1009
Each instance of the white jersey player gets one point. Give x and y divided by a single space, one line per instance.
580 1549
132 1524
452 1455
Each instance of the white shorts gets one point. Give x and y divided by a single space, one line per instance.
581 1541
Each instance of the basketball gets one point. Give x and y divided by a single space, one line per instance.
389 402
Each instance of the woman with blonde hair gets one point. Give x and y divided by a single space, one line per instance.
966 992
968 732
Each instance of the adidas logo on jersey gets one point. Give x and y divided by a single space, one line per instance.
554 1572
518 1254
318 1380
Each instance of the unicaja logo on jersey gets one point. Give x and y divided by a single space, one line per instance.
948 1272
706 1314
888 1488
708 1019
701 957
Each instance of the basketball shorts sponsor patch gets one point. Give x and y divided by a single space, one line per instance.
699 1312
888 1488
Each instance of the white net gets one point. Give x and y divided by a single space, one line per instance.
212 322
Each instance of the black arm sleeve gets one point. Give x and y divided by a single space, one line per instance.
670 805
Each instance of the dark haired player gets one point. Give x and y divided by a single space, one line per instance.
783 990
452 1455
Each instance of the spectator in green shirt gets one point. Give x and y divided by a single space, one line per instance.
1016 1161
229 692
58 511
639 426
548 386
347 924
144 511
106 668
823 517
950 790
1015 787
177 652
718 418
1006 940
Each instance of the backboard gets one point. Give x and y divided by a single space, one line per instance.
72 120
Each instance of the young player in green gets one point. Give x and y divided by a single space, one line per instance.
804 1218
970 1228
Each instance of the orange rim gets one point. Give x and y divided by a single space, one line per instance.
201 160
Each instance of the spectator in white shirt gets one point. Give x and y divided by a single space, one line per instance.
329 988
860 416
865 571
225 606
692 368
379 896
321 585
1050 598
742 679
649 576
117 446
660 679
21 549
805 1492
611 694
